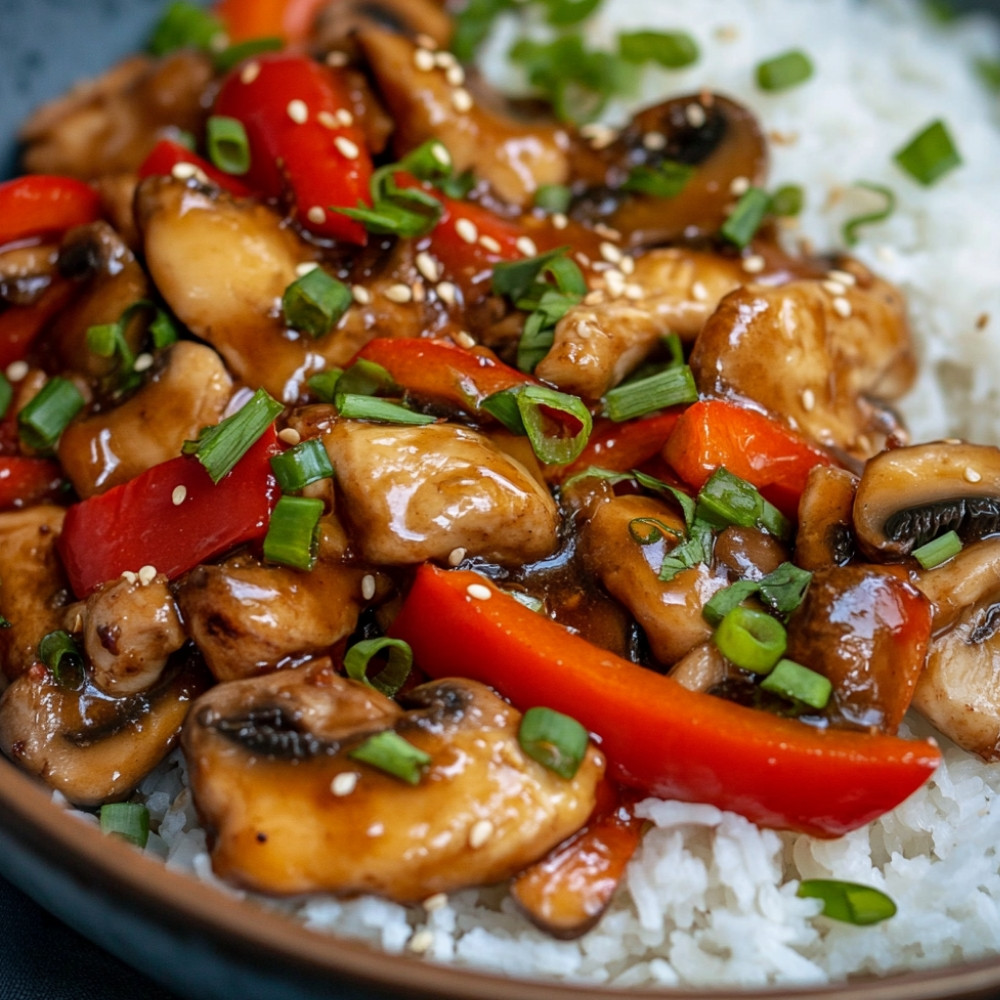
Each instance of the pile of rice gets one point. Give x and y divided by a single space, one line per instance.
710 899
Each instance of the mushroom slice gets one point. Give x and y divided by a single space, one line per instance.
33 587
338 23
703 669
289 809
907 496
866 629
417 493
86 744
515 158
719 138
820 358
188 391
825 534
670 612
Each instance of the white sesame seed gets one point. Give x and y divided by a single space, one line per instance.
489 243
466 230
699 292
441 154
654 141
316 215
461 100
808 400
559 220
184 171
446 292
526 245
598 135
328 120
739 185
444 59
368 586
344 783
426 42
695 115
609 233
456 556
842 307
436 902
336 58
428 266
972 475
306 267
147 575
465 339
754 264
344 117
423 59
421 941
399 293
590 299
250 72
479 591
611 253
615 282
179 495
290 436
455 75
835 287
361 295
480 833
143 362
844 277
627 265
635 292
298 111
346 147
582 259
129 577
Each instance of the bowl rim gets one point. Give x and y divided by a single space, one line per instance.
173 900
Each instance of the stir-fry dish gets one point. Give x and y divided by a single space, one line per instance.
445 475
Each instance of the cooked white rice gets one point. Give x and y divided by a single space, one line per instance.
710 899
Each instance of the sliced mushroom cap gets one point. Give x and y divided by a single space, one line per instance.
716 136
825 534
908 496
88 745
290 811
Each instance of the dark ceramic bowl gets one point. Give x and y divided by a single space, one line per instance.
195 940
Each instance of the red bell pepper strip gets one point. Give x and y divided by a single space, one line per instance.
303 144
139 523
167 154
658 736
39 204
290 20
715 432
25 481
20 325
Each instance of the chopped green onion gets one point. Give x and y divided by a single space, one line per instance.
366 378
849 902
41 422
851 227
358 407
553 198
315 302
538 411
473 23
930 154
129 820
389 752
784 588
939 550
60 653
293 532
228 145
696 549
726 499
747 216
564 13
393 676
786 70
671 49
988 71
323 385
635 399
407 212
514 279
219 448
308 462
752 640
163 331
232 55
185 25
788 200
663 180
723 601
558 742
797 683
6 395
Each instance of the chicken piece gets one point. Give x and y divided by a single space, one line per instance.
822 359
290 810
247 618
91 747
514 158
338 22
417 493
597 345
27 272
130 629
33 588
669 611
188 391
111 123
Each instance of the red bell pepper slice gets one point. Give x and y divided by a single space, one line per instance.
167 154
139 523
658 736
25 481
20 325
290 20
293 110
715 432
39 204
